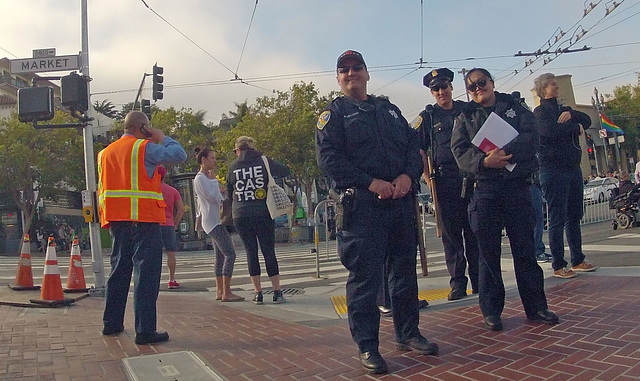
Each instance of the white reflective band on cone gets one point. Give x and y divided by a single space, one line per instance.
51 270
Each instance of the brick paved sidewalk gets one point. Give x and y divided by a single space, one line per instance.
598 338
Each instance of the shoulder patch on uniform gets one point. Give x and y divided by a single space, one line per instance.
323 119
526 106
417 122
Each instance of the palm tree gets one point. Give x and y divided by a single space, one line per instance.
106 108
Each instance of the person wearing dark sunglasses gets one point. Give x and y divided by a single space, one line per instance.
435 125
371 155
502 198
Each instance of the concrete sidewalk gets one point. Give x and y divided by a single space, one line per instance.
598 338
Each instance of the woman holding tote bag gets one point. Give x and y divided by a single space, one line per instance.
247 184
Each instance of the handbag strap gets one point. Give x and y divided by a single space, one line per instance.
266 164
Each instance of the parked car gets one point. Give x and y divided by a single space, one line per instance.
599 190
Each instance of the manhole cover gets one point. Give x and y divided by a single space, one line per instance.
183 366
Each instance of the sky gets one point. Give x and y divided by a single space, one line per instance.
204 45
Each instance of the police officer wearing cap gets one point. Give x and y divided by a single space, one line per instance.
435 125
371 155
502 198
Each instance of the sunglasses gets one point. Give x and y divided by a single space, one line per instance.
479 84
346 69
436 88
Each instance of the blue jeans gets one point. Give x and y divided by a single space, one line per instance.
538 212
137 247
563 190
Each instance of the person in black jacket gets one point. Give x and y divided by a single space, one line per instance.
560 129
247 182
435 125
502 198
371 155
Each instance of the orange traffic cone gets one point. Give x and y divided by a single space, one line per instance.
51 293
24 277
75 277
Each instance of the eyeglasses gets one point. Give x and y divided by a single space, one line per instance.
436 88
346 69
479 84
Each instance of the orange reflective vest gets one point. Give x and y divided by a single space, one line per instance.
125 191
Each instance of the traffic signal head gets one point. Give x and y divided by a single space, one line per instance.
35 104
145 107
158 79
74 92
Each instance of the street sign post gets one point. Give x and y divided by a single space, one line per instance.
46 64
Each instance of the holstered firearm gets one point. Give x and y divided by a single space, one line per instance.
345 205
421 247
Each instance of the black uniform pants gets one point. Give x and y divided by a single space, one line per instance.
379 232
459 242
506 203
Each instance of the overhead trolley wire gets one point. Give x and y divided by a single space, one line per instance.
187 37
246 37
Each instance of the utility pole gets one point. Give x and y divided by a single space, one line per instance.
598 104
89 166
464 73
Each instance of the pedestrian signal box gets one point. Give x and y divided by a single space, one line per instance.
74 92
35 104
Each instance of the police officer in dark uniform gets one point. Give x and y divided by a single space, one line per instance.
371 155
502 198
435 125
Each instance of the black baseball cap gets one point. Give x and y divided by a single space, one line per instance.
350 54
437 76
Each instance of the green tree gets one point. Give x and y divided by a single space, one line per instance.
106 108
624 110
283 126
187 127
241 110
38 162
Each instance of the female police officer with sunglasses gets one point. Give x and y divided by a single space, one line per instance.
502 198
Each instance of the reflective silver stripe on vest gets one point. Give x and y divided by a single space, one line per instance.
135 154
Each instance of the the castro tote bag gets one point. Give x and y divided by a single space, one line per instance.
277 200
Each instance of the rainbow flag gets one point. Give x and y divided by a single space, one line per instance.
609 126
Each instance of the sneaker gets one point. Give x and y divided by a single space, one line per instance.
584 267
278 298
549 257
173 284
542 258
564 273
257 299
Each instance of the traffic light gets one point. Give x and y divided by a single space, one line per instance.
157 82
145 107
74 92
591 153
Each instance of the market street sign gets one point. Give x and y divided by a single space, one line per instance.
43 65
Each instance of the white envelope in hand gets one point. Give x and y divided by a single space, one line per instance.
495 133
